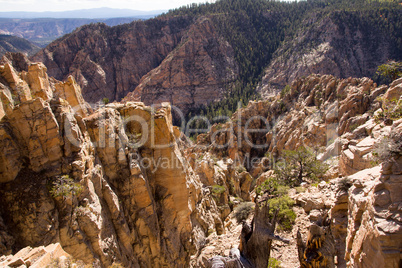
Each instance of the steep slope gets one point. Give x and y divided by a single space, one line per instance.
349 122
292 39
194 74
122 185
9 43
341 43
111 185
109 62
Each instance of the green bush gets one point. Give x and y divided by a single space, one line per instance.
274 263
269 186
105 101
295 166
279 200
65 186
391 70
286 216
243 210
218 189
286 90
391 110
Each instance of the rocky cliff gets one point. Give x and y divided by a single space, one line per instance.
196 73
110 185
119 184
351 122
341 44
165 59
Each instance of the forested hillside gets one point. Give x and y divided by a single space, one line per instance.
257 29
259 46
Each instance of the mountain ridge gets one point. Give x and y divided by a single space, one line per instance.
91 13
9 43
255 30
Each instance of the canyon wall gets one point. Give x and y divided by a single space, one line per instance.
110 185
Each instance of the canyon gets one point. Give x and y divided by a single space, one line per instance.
95 170
142 195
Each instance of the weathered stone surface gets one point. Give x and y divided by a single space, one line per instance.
311 202
38 81
395 90
10 157
20 88
37 131
131 196
71 92
198 71
39 257
327 55
374 231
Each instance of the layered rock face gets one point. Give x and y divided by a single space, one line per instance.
108 62
194 74
316 111
51 255
350 121
166 59
328 45
374 232
111 185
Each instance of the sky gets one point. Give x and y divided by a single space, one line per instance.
62 5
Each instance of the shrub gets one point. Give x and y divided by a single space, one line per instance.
65 186
391 110
274 263
294 166
285 91
344 184
390 70
243 210
218 189
105 101
286 216
269 186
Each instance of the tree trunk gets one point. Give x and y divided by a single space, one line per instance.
256 239
300 177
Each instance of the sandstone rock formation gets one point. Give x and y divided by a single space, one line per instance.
374 224
111 185
164 59
194 74
120 184
342 119
318 111
327 44
38 257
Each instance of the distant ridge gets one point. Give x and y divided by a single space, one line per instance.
9 43
94 13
